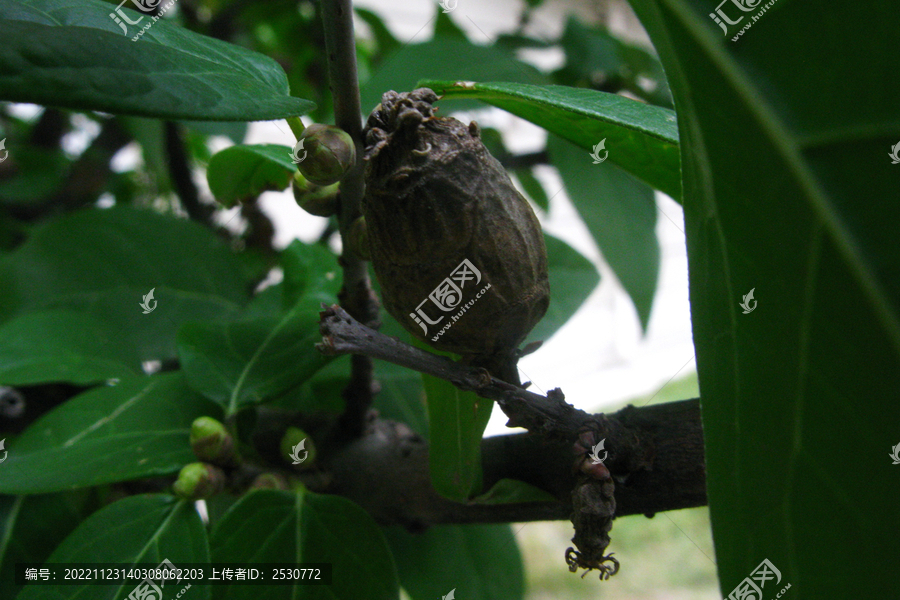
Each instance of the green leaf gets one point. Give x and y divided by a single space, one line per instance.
40 172
445 58
386 41
31 527
62 346
640 138
620 213
293 527
444 27
103 262
74 55
137 529
243 172
137 428
533 188
457 420
572 279
246 362
478 561
311 273
789 191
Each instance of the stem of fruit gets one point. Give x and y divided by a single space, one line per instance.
296 126
356 295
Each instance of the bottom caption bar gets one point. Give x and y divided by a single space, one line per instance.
156 576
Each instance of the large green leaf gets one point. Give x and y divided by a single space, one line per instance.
31 527
241 172
73 54
478 561
300 526
572 279
104 262
620 213
137 428
789 191
640 138
139 529
62 345
445 58
246 362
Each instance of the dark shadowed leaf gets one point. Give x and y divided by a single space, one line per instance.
300 526
137 428
789 191
640 138
73 54
137 529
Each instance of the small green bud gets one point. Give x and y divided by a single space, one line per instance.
270 481
357 239
212 443
197 481
298 448
317 200
330 152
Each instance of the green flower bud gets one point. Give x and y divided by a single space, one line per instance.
317 200
212 443
197 481
298 448
330 153
270 481
357 239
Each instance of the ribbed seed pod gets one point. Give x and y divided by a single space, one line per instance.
457 250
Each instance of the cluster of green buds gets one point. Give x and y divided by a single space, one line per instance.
214 446
329 154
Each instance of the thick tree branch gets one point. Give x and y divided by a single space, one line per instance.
397 458
655 452
356 294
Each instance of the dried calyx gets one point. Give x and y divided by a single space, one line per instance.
457 250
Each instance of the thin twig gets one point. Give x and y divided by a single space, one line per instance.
356 294
549 415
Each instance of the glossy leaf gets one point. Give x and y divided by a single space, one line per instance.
620 213
457 420
31 527
300 526
572 279
311 274
640 138
103 262
243 172
246 362
789 190
62 346
73 55
445 58
478 561
137 428
137 529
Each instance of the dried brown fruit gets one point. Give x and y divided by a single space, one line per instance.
457 250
